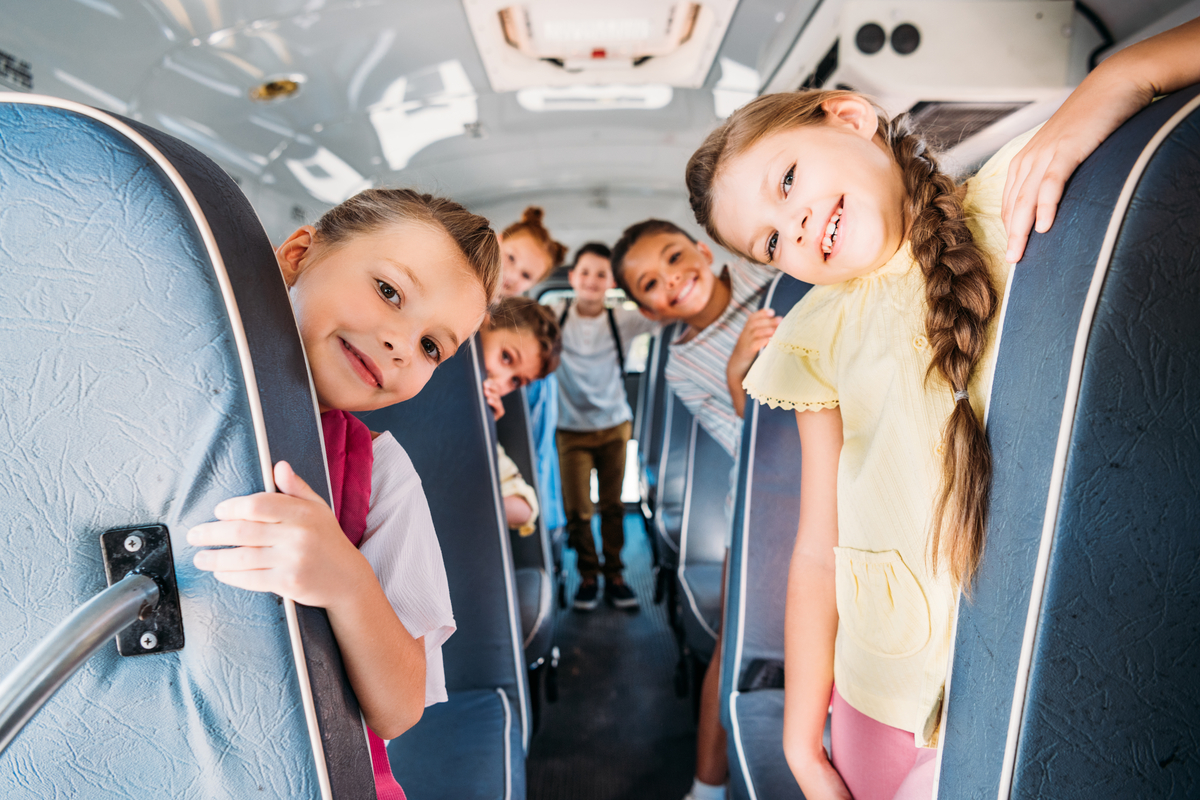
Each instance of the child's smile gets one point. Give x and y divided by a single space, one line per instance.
670 275
363 365
823 202
379 312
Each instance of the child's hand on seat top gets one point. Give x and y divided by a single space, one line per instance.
760 327
1117 89
287 542
1038 174
493 396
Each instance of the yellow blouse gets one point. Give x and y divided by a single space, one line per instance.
860 345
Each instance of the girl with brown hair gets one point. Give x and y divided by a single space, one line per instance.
385 287
887 362
527 253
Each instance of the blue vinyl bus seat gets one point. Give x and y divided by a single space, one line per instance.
766 513
472 747
1075 664
672 479
651 435
537 570
135 392
702 541
531 554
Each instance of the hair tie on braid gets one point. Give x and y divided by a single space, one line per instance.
961 395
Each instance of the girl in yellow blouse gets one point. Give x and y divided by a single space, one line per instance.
888 364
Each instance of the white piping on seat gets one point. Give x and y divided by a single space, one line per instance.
737 740
544 591
507 743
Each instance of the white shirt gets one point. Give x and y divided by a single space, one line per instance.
403 551
591 378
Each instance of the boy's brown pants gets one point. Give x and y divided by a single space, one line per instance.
578 453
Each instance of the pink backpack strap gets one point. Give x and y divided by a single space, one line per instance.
350 455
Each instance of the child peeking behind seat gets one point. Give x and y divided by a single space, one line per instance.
521 344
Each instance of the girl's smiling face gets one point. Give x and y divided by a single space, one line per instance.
379 311
523 262
670 275
824 203
512 358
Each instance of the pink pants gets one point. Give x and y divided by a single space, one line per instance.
877 761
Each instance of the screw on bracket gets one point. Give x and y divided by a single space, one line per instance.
148 641
133 543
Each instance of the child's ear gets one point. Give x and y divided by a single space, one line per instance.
291 254
854 112
705 253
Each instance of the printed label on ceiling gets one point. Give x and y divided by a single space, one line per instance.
16 72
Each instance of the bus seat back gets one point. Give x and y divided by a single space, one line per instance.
766 513
654 418
134 393
672 477
531 554
449 434
1075 662
702 539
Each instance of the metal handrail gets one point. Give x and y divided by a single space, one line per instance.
65 649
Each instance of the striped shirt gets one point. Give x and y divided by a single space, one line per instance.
696 368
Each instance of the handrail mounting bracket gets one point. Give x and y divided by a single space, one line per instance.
146 550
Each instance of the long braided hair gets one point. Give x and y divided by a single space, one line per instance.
959 294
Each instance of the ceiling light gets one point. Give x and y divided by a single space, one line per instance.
646 97
277 88
553 43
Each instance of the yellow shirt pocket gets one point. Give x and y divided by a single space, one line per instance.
880 603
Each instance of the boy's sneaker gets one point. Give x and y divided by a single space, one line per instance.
620 595
585 598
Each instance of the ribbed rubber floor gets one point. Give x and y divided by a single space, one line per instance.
617 732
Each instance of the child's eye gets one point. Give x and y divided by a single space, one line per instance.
431 349
505 357
516 382
671 259
771 242
649 285
788 178
389 294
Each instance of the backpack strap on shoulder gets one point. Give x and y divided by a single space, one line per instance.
612 324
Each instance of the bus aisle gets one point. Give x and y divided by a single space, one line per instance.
618 731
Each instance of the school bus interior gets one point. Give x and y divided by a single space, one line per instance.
154 152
